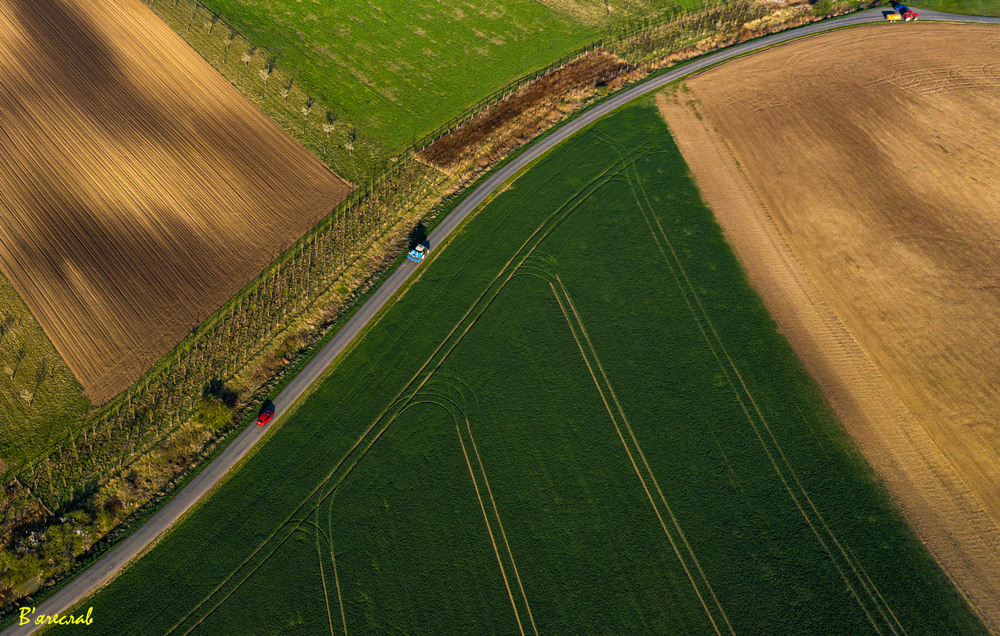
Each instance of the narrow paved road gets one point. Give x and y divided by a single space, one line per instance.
144 537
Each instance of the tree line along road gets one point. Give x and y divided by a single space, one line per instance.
143 537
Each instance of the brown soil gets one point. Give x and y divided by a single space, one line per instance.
140 189
855 176
520 116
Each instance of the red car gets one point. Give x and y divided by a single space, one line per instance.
265 415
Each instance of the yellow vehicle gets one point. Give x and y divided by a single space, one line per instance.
892 16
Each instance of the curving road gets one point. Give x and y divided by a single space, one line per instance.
146 535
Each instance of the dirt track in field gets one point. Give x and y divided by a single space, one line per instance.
140 189
855 174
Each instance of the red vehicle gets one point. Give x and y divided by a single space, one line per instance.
265 415
905 11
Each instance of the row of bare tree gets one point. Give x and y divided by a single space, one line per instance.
151 409
258 76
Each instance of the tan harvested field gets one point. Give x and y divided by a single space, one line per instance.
856 176
140 190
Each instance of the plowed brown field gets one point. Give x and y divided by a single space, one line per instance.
856 175
139 189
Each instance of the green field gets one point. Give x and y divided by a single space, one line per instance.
614 14
579 418
971 7
397 69
41 402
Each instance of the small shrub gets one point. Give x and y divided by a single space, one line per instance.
213 413
822 7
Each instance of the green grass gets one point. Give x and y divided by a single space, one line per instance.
397 69
622 13
483 357
33 415
970 7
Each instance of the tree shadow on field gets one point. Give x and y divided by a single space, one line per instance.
218 389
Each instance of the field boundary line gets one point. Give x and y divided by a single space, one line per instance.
646 212
869 373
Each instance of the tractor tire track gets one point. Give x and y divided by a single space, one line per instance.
638 447
322 578
458 418
642 479
489 529
405 396
496 512
730 369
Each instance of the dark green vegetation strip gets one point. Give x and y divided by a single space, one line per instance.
968 7
399 68
580 418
